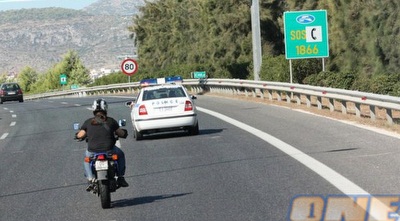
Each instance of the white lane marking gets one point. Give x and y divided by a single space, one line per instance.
89 108
64 103
14 115
12 124
336 179
4 136
333 177
78 105
5 108
11 111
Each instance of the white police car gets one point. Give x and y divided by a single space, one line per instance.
163 104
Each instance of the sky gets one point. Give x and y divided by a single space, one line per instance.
20 4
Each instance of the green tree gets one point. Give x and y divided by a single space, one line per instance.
27 78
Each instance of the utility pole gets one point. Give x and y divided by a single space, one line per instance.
255 28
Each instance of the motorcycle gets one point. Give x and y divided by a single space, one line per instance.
104 167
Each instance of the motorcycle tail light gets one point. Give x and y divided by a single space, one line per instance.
101 157
87 159
115 157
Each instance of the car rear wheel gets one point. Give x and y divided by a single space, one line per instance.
194 130
137 134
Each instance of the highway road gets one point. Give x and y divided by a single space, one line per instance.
248 163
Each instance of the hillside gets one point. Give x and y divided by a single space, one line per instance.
40 37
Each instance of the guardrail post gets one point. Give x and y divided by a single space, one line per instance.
331 105
279 98
270 95
298 98
319 103
308 100
288 99
344 107
389 115
262 94
372 112
358 109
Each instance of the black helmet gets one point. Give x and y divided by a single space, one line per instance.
100 105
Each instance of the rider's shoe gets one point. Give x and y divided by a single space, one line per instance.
90 186
122 182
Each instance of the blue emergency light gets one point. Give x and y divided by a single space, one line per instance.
158 81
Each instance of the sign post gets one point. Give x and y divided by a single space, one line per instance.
306 35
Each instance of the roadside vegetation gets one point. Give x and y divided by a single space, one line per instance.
176 37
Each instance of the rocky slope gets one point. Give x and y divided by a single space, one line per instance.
40 37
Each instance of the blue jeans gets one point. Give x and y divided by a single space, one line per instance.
121 163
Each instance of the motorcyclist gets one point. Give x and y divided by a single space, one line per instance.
100 132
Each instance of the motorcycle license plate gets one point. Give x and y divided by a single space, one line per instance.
102 165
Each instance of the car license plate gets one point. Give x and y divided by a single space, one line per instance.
11 93
165 109
102 165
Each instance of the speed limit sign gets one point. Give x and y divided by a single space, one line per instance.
129 66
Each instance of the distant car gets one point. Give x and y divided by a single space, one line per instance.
161 107
10 92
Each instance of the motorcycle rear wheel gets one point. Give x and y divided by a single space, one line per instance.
105 195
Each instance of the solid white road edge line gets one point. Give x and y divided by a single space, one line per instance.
336 179
333 177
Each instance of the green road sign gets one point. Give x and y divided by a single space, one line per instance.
199 74
63 79
306 34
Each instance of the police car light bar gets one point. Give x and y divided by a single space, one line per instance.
158 81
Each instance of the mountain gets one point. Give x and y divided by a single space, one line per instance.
39 38
115 7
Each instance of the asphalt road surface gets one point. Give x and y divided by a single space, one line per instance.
248 163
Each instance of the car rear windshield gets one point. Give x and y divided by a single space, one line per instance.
163 93
10 87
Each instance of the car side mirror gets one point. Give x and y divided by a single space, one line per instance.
129 103
193 97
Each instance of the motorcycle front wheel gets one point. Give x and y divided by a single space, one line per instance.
105 195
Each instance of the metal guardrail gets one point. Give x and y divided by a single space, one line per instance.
300 94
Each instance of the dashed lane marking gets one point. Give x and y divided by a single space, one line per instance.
13 124
4 136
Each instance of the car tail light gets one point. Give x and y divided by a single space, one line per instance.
142 110
1 92
188 106
87 159
101 157
19 91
